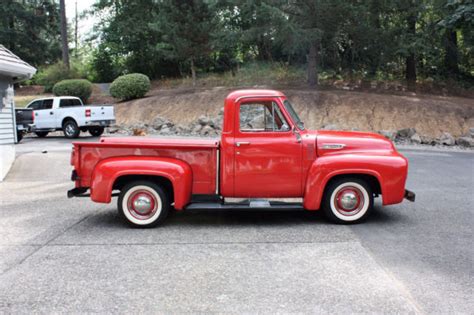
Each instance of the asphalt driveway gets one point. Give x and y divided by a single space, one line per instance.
70 255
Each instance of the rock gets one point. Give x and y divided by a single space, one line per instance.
416 139
112 130
196 129
160 122
428 140
389 134
203 120
165 130
207 131
471 132
406 133
467 142
447 139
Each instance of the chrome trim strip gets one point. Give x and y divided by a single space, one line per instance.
333 146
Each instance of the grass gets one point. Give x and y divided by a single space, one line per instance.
252 74
22 101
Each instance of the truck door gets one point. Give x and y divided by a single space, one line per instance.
268 155
44 114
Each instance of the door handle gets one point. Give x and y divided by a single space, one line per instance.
51 113
242 143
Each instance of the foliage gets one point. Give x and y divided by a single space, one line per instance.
30 29
130 86
398 39
74 87
50 75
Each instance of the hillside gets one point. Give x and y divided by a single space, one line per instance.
429 115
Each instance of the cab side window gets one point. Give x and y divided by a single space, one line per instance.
47 104
262 117
36 105
69 102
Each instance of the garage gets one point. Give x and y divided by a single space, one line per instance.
12 70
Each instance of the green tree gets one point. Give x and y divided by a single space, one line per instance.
31 30
186 27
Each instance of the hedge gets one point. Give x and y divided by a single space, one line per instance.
75 87
130 86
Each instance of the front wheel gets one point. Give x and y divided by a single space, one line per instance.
96 131
71 130
348 200
143 204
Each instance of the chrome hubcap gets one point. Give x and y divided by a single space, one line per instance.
348 201
142 204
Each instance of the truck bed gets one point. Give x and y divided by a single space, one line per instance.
200 154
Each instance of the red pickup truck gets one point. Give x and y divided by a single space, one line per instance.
265 153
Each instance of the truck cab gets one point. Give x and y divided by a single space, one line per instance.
265 155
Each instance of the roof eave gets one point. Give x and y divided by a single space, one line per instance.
17 71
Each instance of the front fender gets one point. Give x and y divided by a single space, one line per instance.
389 170
107 171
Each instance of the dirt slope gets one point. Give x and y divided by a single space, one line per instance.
430 115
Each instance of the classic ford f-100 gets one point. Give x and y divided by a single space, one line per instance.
265 153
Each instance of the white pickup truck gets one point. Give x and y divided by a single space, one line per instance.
69 114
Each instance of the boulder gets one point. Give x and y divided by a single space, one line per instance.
467 142
416 139
406 133
389 134
203 120
160 122
207 131
447 139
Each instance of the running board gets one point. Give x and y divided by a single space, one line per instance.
252 205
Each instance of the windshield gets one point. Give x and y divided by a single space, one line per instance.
293 114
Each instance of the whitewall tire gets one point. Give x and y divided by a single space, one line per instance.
348 200
143 204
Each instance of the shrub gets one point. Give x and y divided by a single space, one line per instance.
52 74
130 86
76 87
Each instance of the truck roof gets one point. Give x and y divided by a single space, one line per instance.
253 93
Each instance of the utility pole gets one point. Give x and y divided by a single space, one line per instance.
65 48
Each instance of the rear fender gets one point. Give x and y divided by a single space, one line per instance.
107 171
389 170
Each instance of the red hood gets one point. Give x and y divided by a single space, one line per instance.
334 142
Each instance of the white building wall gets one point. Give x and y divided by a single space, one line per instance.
7 126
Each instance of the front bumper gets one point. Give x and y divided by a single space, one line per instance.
409 195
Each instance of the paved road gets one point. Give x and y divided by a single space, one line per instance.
71 255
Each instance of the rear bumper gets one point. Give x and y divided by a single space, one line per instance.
409 195
100 123
77 192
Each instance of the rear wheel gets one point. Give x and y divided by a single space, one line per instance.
96 131
70 129
143 204
41 134
348 200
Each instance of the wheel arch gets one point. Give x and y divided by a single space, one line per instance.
67 118
113 173
322 172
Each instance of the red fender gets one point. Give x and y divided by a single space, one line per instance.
106 172
389 170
